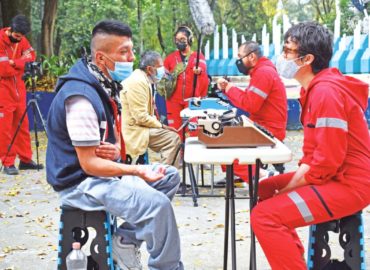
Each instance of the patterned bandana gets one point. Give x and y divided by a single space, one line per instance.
112 88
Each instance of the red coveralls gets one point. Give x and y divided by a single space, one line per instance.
266 102
336 146
13 99
184 87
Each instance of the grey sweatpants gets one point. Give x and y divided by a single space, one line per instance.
145 207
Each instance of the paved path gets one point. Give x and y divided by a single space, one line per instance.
29 217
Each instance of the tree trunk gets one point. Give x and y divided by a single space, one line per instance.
159 31
10 8
47 27
139 25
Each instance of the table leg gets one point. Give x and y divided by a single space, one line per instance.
227 209
183 191
252 256
253 194
230 206
193 183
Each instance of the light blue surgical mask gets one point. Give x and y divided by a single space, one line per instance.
160 74
122 70
287 68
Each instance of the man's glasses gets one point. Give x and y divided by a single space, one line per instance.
247 54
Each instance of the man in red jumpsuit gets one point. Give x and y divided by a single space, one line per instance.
15 51
184 87
332 180
264 99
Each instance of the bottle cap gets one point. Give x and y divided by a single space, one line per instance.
76 245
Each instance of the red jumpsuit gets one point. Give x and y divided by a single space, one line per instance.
336 146
184 87
13 99
266 102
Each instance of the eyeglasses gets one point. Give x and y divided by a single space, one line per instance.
247 54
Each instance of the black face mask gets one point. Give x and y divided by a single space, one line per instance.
181 46
13 40
241 67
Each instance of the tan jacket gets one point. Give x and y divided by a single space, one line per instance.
137 112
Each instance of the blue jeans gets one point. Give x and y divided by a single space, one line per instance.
145 207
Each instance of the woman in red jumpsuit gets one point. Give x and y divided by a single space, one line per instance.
184 87
332 180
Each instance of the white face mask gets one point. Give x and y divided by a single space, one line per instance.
287 68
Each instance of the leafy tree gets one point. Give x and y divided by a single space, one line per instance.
10 8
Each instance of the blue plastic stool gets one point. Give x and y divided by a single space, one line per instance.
74 224
351 239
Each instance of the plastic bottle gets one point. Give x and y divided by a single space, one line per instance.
76 259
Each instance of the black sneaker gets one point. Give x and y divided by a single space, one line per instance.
238 183
30 166
11 170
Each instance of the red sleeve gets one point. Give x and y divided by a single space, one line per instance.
6 70
252 99
328 135
26 49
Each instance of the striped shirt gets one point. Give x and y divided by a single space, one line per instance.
82 122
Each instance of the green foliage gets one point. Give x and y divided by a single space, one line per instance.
53 67
76 19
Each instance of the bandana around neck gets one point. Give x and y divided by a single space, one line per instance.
111 87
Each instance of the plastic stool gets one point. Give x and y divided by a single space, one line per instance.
142 159
74 224
351 239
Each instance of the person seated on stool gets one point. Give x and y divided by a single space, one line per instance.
332 180
85 143
264 99
140 125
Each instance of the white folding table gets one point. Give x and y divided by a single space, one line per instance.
197 153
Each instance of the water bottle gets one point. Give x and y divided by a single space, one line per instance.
76 259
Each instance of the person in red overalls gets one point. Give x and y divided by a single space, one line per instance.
264 99
332 180
184 87
15 52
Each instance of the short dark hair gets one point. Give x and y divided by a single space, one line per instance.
252 46
112 27
148 58
312 38
20 24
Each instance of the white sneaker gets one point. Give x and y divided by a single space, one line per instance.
127 256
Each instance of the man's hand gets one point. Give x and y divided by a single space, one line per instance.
224 84
298 179
169 128
11 62
197 71
146 173
26 56
107 150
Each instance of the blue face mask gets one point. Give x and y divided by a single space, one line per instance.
160 74
122 70
287 68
